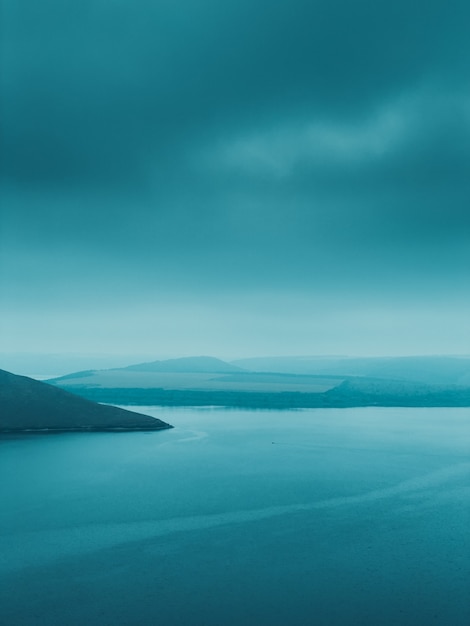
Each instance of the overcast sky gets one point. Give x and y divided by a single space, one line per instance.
235 178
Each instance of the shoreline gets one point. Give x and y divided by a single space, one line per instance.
84 429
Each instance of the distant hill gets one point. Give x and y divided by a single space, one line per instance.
350 392
33 406
317 382
187 365
434 370
239 380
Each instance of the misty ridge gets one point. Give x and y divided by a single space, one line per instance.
279 382
74 401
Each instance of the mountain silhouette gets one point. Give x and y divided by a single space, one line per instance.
192 364
30 405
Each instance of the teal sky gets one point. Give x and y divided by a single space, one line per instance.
235 178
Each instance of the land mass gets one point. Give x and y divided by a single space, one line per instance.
190 382
201 364
432 370
27 405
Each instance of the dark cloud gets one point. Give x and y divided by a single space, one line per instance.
96 92
181 149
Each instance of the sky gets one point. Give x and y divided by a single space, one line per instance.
235 178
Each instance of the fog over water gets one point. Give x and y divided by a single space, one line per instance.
332 517
235 179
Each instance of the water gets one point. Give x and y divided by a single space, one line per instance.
325 517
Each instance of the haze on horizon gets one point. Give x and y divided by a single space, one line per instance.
235 179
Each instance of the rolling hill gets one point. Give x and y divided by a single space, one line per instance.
433 370
192 364
206 374
189 382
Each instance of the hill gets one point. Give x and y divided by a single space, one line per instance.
33 406
192 364
433 370
238 381
315 382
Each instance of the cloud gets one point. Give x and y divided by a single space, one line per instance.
95 94
209 148
315 144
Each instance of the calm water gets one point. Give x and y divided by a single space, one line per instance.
315 517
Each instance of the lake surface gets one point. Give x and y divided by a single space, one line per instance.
313 517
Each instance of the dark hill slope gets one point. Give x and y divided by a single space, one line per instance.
27 404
